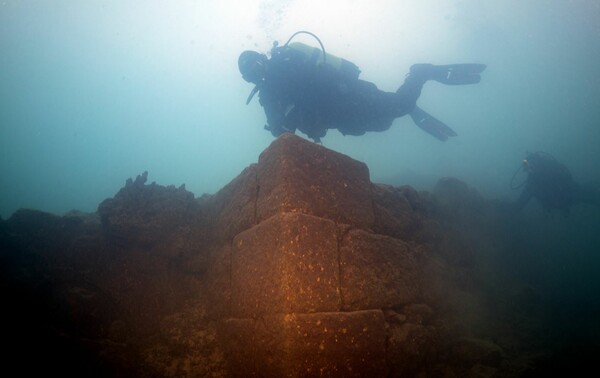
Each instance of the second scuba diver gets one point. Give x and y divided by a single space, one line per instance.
552 185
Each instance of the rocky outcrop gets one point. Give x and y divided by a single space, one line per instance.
300 266
116 293
306 275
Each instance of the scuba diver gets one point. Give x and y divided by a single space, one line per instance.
551 183
306 89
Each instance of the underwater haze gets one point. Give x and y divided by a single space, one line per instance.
95 92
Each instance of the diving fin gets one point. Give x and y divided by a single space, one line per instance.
458 74
431 124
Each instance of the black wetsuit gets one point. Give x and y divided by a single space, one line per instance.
299 95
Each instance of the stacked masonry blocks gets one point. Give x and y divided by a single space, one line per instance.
302 280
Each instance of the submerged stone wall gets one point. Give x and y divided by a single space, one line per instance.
312 282
300 266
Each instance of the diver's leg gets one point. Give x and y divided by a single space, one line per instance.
410 91
406 96
452 74
361 107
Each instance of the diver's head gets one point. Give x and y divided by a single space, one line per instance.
534 160
252 66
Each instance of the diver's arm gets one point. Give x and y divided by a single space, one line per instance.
274 115
286 76
276 112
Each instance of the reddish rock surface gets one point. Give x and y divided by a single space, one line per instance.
300 266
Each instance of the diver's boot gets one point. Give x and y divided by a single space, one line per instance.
451 74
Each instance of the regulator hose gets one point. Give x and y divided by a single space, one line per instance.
312 35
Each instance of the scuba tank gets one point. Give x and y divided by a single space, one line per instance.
317 56
314 56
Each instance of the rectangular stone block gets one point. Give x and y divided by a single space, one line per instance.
296 175
253 347
342 344
378 271
288 263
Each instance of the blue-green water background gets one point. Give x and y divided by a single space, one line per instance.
95 92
